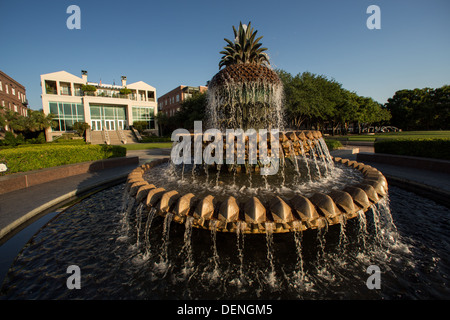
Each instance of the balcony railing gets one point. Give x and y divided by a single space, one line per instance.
96 94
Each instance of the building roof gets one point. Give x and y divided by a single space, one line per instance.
62 75
140 85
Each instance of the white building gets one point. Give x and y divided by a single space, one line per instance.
105 109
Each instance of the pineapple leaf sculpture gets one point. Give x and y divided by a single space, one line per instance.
244 49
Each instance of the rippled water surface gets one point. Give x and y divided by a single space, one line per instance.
141 256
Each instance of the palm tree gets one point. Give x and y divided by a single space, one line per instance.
41 121
10 119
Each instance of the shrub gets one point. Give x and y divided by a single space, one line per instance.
45 156
428 148
333 144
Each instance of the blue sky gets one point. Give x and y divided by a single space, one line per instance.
169 43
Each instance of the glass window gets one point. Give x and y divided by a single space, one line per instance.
109 112
54 108
95 112
67 109
80 110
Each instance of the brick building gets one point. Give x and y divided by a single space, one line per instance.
170 102
12 95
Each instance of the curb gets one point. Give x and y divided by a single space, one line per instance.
18 224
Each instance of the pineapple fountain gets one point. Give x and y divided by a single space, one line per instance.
311 190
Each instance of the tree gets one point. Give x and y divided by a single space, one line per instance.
420 109
81 127
310 97
192 109
88 88
125 91
40 121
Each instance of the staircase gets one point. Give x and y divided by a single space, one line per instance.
97 137
115 137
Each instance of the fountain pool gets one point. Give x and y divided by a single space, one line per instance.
409 243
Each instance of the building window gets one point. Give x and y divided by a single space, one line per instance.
146 114
50 87
13 91
66 114
109 117
1 86
65 89
7 89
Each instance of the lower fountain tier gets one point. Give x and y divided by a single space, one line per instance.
255 216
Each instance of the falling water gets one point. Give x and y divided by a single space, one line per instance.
362 230
305 161
164 255
139 210
269 226
148 224
215 255
240 247
127 211
250 105
293 157
298 246
187 246
313 155
328 158
342 237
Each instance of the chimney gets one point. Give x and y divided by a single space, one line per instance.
124 81
84 75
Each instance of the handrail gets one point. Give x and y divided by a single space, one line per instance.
122 137
106 136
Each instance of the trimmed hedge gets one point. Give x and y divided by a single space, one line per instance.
428 148
49 155
333 144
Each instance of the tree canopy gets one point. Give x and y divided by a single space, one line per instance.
315 101
421 109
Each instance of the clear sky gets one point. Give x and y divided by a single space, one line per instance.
171 43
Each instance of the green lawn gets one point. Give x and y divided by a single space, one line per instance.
150 145
395 135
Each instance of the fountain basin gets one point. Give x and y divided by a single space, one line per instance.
260 214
